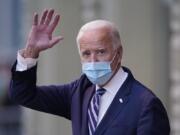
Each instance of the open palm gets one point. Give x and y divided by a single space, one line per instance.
40 37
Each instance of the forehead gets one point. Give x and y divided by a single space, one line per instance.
98 36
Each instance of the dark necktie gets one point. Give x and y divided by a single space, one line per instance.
93 110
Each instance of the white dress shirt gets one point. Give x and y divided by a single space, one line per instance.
24 63
106 99
111 90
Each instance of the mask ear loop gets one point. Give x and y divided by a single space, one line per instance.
114 58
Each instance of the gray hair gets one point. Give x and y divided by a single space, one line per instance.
100 24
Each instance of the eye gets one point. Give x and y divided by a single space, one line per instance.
101 51
86 53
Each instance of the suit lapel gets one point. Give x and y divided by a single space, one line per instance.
86 99
116 106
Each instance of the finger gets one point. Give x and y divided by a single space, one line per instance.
55 40
49 17
35 21
54 24
43 16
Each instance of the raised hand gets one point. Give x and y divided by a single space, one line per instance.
40 37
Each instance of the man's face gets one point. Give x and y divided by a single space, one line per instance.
96 45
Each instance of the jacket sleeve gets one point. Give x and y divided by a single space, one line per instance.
50 99
153 119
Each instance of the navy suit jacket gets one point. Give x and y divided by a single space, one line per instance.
140 113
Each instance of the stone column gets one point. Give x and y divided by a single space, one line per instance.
175 66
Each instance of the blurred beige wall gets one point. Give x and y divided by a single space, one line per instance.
144 33
58 65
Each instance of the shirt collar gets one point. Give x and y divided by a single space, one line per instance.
116 82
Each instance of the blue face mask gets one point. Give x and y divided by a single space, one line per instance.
98 72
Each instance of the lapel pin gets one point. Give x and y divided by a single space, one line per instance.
121 100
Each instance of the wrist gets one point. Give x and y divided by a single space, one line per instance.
29 52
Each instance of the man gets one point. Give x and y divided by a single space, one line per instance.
105 100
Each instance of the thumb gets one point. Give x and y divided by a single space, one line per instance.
55 40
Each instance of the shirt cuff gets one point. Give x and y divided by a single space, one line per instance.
24 64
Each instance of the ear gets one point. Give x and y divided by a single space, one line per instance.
120 51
